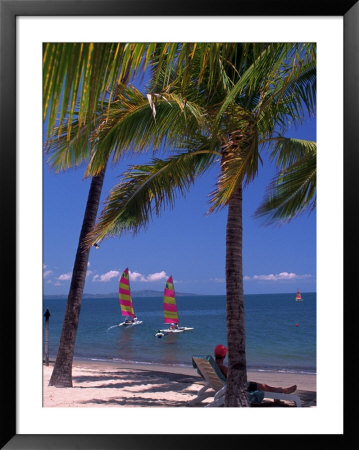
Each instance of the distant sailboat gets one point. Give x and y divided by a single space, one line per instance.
298 297
170 311
126 302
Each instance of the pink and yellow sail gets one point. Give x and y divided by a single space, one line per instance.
298 297
169 302
125 295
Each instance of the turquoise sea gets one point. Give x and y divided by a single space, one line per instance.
280 333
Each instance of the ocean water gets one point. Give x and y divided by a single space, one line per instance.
280 332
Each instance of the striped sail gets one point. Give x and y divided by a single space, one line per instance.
125 295
298 297
169 302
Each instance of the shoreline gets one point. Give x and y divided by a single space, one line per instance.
278 378
189 366
308 379
121 384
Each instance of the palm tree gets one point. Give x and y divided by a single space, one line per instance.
62 373
80 80
258 93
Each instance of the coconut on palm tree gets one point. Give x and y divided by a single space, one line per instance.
257 97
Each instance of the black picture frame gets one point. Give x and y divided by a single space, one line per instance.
9 10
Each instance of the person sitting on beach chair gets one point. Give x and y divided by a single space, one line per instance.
220 353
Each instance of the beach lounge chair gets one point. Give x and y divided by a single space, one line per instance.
215 381
216 385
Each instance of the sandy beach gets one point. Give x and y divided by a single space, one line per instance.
114 384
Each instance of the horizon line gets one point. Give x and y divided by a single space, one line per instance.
187 293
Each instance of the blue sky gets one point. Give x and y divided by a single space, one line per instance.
184 242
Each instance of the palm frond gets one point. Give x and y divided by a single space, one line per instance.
291 192
146 190
70 145
127 125
288 151
269 60
290 96
280 71
130 126
89 73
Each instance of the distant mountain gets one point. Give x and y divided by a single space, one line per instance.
144 293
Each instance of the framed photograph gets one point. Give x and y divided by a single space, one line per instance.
24 28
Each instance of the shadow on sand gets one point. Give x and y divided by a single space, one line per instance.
156 381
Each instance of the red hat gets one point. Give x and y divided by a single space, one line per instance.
220 350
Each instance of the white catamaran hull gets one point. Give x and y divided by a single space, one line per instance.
162 333
171 331
131 324
178 330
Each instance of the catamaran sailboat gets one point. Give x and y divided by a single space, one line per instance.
298 297
126 302
170 311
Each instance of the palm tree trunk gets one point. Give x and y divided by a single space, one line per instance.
62 373
236 391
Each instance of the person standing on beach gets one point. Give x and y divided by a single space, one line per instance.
220 353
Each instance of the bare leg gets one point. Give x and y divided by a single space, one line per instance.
267 388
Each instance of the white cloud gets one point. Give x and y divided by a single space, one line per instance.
88 273
280 276
106 276
157 276
135 276
217 280
65 276
47 273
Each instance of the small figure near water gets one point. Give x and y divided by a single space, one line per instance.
220 353
159 334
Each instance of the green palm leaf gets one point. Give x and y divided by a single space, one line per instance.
292 192
292 98
288 151
148 189
267 61
127 125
